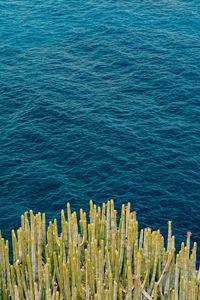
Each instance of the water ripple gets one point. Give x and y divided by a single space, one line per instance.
99 101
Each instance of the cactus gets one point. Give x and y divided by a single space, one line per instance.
96 259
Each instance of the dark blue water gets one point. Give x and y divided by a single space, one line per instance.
101 100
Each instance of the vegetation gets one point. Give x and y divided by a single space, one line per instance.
96 260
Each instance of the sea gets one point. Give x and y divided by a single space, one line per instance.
101 100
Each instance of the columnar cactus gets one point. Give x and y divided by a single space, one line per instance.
96 260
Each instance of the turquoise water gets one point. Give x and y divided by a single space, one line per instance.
100 100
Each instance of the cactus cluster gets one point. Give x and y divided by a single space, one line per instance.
103 258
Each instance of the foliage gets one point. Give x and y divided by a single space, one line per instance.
95 260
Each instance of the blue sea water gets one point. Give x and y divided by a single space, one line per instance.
100 100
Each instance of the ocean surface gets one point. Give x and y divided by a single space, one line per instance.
101 100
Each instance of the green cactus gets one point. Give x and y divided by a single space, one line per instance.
96 260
